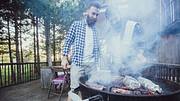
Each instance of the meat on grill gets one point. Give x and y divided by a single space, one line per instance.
149 85
129 85
131 82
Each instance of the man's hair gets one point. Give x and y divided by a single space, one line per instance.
94 4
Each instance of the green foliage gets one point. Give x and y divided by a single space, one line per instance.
60 13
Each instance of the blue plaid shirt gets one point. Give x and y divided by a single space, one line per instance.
76 38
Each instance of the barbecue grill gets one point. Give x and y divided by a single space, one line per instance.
168 77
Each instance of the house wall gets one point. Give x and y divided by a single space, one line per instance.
169 49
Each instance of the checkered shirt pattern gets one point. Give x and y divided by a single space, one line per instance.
76 38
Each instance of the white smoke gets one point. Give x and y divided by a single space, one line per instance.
129 34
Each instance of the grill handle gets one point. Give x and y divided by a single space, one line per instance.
74 95
95 98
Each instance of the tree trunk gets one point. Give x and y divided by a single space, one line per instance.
48 41
9 43
34 35
38 55
2 58
54 43
22 60
21 49
17 50
10 54
17 41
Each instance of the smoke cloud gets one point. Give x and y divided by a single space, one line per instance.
129 32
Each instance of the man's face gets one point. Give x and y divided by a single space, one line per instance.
92 14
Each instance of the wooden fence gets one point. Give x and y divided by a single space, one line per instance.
170 72
16 73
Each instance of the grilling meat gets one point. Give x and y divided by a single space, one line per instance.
129 86
121 91
131 82
148 84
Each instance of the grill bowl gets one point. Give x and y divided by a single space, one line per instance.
171 91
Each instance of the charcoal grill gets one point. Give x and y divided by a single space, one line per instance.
168 77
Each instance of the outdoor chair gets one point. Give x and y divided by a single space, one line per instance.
59 82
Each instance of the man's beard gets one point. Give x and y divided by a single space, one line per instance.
90 21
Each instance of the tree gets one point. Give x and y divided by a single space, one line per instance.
37 37
56 15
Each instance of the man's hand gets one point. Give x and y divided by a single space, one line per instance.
65 62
